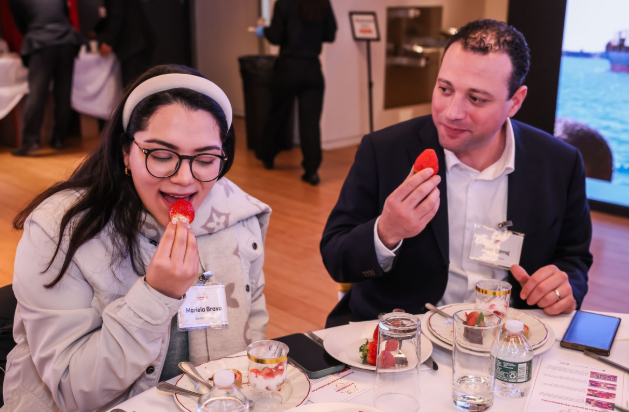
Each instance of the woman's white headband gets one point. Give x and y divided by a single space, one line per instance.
175 81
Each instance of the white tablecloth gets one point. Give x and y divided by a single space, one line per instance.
13 82
96 86
436 390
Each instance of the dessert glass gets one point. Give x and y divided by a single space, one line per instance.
493 296
267 372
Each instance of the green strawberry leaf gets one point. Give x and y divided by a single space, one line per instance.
364 349
481 319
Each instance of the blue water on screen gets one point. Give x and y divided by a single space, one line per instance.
590 93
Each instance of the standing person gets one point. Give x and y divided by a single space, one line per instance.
299 27
125 29
48 50
404 239
101 271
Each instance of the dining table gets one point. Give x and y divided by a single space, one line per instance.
436 386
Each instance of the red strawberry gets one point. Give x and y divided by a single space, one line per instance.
391 345
254 372
375 334
472 318
267 373
427 159
181 208
386 359
369 352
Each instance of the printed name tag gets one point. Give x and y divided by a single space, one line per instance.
204 307
496 247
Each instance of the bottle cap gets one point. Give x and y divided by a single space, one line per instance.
514 326
224 377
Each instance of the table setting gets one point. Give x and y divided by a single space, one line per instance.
442 360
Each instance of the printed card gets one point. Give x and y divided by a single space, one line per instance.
341 386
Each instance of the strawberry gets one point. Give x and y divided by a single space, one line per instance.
391 345
386 359
181 208
369 352
427 159
375 334
267 373
254 372
472 318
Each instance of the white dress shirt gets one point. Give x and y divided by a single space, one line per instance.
473 198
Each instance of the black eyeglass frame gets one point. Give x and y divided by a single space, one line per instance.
181 158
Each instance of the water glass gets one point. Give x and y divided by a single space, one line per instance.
224 404
267 371
398 363
472 380
494 296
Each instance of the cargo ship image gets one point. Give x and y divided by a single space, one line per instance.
617 52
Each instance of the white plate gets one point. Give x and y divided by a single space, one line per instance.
426 332
295 391
442 327
334 407
343 344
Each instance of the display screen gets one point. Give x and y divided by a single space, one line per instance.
593 99
592 330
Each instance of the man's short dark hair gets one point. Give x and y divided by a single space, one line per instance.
485 36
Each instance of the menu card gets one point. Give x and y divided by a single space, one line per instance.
562 386
341 386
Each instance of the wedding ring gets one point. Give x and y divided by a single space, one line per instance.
558 295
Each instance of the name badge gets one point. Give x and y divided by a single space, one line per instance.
496 247
205 307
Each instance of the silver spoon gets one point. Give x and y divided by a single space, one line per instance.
194 374
170 388
439 311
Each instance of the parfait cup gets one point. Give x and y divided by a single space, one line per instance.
493 296
398 363
267 372
472 380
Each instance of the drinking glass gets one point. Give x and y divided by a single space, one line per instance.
398 363
494 296
223 404
267 372
472 380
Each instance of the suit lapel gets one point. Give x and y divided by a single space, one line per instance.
429 139
521 182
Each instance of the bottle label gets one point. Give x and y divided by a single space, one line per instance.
513 372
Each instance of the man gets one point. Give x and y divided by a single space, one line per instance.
404 239
124 29
48 50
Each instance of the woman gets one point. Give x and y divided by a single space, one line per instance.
95 304
299 27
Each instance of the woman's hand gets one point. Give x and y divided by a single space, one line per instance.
175 265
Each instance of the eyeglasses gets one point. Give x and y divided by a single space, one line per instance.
164 163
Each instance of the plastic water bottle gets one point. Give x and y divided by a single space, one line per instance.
225 396
512 360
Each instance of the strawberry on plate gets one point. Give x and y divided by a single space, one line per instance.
375 333
181 209
391 345
369 352
387 360
427 159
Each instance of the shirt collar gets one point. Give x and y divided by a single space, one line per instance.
504 165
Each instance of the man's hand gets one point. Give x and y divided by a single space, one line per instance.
104 50
409 208
539 289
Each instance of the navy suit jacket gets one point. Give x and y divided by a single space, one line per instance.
546 202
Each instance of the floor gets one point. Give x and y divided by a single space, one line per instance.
299 291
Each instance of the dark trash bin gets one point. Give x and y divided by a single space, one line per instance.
257 77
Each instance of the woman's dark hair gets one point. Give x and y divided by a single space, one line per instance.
313 10
108 194
485 36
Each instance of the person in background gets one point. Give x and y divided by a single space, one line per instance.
125 30
299 27
48 50
101 270
404 239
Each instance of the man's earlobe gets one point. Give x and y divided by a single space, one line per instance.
517 100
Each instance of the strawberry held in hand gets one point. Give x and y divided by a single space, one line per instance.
181 209
427 159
